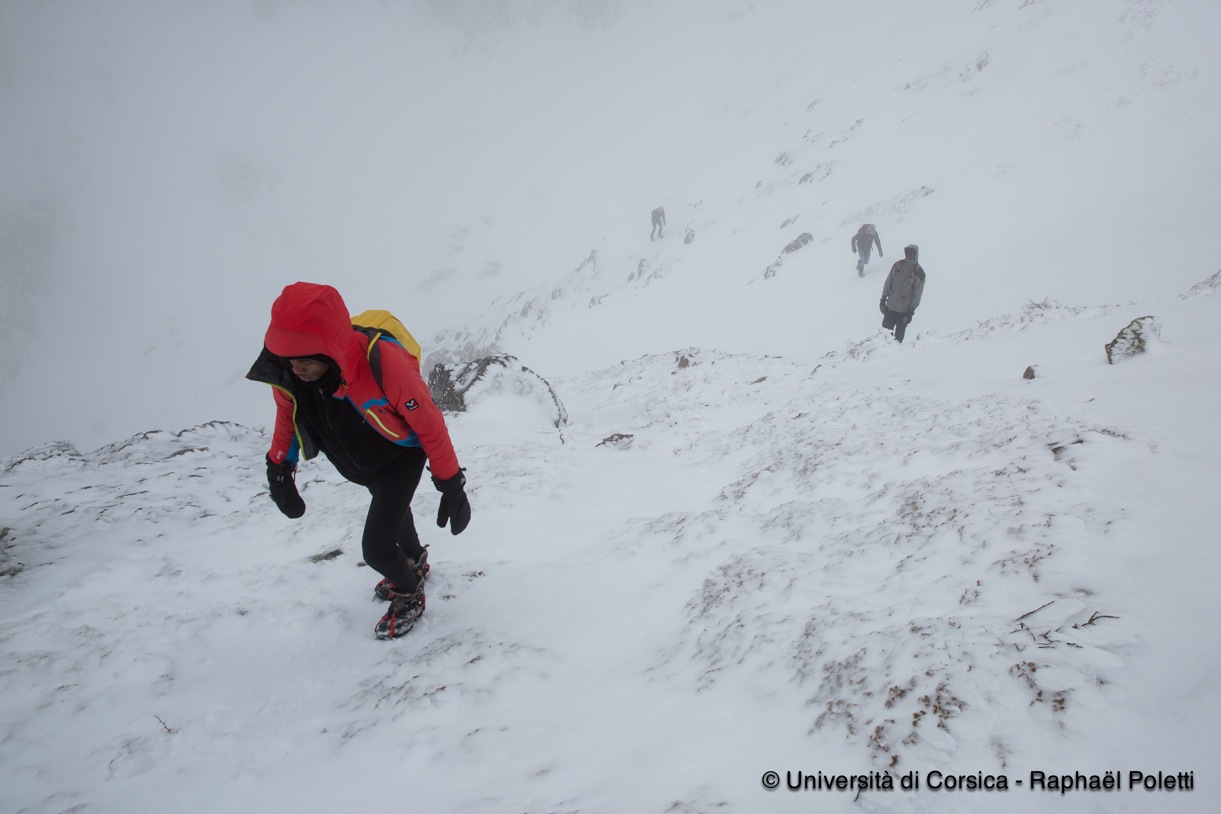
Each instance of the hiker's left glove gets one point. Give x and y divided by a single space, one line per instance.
910 317
455 509
284 489
882 306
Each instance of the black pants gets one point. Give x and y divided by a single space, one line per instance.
898 321
390 537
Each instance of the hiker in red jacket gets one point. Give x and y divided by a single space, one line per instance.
378 435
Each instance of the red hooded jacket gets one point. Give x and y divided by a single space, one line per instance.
310 320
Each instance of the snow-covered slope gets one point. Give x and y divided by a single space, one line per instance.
1032 150
753 534
904 558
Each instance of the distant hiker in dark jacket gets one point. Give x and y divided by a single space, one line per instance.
376 434
659 220
862 244
901 292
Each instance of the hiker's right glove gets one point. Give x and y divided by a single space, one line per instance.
455 509
882 305
284 489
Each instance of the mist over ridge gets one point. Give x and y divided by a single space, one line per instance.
486 170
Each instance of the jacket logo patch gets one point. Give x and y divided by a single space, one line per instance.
412 405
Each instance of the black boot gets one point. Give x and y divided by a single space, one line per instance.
401 616
383 589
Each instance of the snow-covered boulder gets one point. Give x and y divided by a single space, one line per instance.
1133 339
466 387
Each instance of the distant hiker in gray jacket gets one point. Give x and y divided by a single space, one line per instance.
659 220
901 292
862 244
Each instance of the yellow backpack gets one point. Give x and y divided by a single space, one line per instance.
378 324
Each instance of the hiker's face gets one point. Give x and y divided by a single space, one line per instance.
308 370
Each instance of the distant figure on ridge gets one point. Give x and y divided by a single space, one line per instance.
901 292
659 220
862 244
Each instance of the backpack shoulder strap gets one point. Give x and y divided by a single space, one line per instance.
373 353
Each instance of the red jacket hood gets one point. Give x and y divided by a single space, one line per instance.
308 319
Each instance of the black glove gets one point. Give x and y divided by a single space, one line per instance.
882 306
284 489
455 508
909 318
